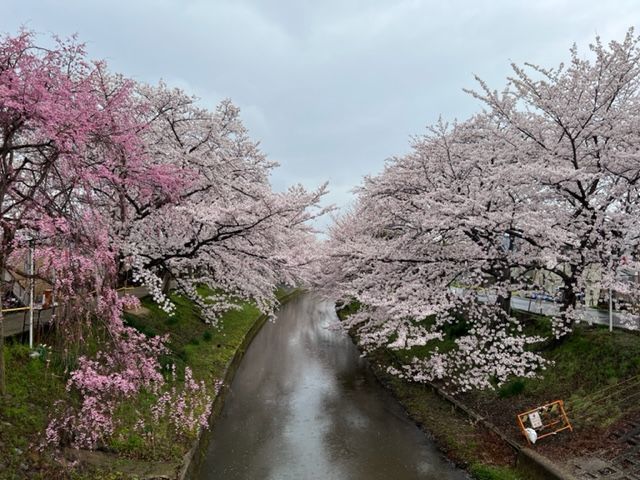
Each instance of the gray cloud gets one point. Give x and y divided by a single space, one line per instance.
330 88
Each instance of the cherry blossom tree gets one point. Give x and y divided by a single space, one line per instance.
574 129
440 217
58 143
546 179
106 173
225 227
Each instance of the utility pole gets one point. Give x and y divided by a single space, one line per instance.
32 272
610 310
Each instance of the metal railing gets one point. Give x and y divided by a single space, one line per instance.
37 324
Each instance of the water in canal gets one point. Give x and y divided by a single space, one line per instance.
304 405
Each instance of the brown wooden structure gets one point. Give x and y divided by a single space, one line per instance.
546 420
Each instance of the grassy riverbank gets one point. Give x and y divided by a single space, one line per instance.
34 384
594 371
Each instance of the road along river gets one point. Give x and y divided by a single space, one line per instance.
304 405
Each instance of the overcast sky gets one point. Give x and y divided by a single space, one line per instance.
331 88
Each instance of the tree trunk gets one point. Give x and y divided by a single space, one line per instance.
5 241
505 303
568 301
503 276
570 298
166 282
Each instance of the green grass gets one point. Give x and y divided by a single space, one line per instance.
589 359
35 384
23 412
192 342
586 368
492 472
206 350
512 388
583 366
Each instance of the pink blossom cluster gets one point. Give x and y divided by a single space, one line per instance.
186 409
102 384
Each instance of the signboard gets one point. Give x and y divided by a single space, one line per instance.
535 420
543 421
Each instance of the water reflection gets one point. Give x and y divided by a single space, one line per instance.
304 406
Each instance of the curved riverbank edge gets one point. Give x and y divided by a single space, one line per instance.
193 458
529 464
185 469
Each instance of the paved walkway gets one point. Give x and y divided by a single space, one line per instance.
589 315
16 323
624 466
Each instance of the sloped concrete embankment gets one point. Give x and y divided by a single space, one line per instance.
530 464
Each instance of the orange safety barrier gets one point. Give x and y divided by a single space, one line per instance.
546 420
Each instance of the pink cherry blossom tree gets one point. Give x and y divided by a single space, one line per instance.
107 173
574 131
440 217
59 142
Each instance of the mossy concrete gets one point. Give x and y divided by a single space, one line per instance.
535 466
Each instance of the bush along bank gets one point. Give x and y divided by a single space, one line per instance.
587 361
197 361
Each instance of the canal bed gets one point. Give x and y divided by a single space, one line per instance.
304 405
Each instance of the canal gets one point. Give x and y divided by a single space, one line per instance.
304 405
